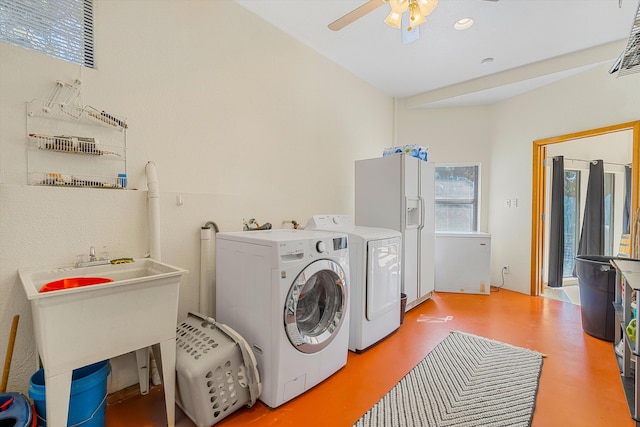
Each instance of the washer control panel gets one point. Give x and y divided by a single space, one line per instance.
316 247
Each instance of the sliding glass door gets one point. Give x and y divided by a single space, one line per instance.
571 220
574 187
609 199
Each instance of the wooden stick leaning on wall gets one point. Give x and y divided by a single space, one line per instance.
635 235
7 359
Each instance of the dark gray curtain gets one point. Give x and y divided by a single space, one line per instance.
592 234
626 215
556 235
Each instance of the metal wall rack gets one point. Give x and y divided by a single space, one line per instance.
75 146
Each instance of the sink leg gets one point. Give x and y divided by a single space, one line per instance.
142 359
168 355
58 392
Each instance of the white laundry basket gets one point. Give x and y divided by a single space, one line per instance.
216 371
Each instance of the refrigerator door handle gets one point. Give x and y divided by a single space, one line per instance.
422 211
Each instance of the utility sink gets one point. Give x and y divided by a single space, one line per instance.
79 326
137 272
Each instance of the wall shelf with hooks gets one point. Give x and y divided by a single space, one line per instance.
73 146
74 113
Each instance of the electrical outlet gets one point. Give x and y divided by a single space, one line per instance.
506 270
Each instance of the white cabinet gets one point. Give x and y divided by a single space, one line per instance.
74 146
463 262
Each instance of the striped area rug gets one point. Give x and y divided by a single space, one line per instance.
466 380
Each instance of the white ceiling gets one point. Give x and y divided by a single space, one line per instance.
533 43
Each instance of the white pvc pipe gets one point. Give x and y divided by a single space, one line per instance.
153 212
206 271
153 197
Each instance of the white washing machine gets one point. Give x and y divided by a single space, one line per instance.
286 292
376 278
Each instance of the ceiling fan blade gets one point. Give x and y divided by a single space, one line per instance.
408 35
355 14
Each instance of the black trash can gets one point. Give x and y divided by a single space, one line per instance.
597 281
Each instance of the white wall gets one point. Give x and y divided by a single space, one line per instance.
241 120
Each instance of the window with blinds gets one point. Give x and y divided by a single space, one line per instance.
59 28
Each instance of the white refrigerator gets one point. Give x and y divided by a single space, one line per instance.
463 262
397 192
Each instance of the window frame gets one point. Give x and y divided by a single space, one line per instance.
474 202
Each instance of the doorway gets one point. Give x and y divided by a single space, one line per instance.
546 148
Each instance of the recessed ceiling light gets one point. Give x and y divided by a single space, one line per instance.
487 61
463 24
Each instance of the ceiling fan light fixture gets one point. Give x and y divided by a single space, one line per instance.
415 15
427 6
399 6
393 19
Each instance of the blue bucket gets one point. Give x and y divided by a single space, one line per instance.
15 410
87 403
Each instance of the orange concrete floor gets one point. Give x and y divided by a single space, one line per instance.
579 386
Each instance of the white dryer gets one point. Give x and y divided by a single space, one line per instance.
376 278
286 293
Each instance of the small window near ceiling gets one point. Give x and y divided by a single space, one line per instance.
59 28
457 197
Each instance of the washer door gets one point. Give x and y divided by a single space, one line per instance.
316 306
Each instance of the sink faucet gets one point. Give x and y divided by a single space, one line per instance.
93 259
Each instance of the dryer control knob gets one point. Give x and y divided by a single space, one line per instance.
321 247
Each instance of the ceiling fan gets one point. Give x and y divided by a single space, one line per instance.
417 11
355 14
409 22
